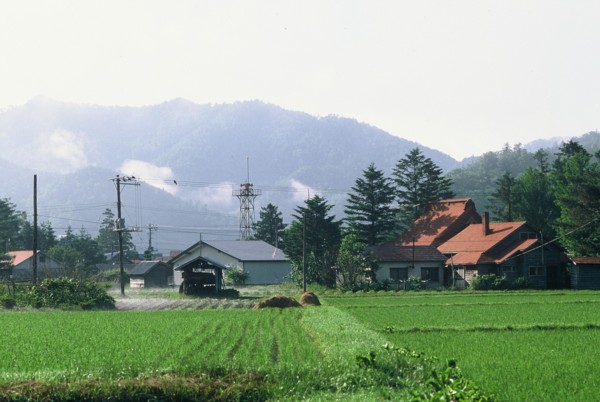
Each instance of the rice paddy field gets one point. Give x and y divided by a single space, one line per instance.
521 346
516 346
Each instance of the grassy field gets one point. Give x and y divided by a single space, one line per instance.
519 345
224 354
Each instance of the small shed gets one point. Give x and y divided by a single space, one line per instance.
151 274
585 273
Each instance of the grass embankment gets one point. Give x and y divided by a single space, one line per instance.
521 346
293 354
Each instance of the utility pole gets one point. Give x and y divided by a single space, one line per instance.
35 233
151 227
120 223
304 242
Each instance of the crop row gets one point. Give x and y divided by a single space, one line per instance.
517 350
58 345
399 299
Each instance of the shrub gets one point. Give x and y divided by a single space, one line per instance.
490 282
67 292
415 283
235 276
8 301
520 283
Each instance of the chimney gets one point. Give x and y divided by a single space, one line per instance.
485 220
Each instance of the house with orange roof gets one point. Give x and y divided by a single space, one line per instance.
454 239
513 249
21 268
415 253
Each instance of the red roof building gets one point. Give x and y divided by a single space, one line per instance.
441 220
472 246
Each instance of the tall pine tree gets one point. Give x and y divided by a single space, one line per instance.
419 181
316 236
576 178
503 199
270 226
369 211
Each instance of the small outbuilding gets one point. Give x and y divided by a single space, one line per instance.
585 273
151 274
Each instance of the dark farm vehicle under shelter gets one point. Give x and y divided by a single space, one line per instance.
201 276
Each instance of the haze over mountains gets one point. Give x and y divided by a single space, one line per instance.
76 149
189 157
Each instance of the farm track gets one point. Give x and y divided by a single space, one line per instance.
153 304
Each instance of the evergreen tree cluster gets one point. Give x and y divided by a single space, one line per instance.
378 208
560 199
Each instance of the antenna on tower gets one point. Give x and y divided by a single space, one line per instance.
246 194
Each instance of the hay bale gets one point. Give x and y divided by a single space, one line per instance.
277 301
309 299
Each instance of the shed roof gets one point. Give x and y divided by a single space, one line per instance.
586 260
20 256
144 267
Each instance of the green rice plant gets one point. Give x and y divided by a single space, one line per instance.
518 345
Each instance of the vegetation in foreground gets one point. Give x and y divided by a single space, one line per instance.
291 354
521 346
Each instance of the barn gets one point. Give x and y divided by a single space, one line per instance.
264 263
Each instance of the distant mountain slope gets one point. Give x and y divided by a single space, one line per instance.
76 149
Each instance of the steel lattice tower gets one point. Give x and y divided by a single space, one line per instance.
246 194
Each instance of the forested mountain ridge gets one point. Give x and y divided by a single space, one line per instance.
476 177
76 149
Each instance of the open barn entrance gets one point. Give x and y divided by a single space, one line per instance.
201 276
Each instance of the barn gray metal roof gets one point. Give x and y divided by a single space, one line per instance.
144 267
248 250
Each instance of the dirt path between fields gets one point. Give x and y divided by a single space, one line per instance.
180 304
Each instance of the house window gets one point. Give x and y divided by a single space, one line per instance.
430 274
398 274
42 258
537 271
508 269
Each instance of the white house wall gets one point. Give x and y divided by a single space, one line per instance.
383 273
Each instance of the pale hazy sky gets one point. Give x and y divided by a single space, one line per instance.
463 77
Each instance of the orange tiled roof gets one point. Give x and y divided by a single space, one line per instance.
471 246
441 220
18 257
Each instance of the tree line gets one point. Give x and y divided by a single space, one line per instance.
558 194
378 208
78 252
561 199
